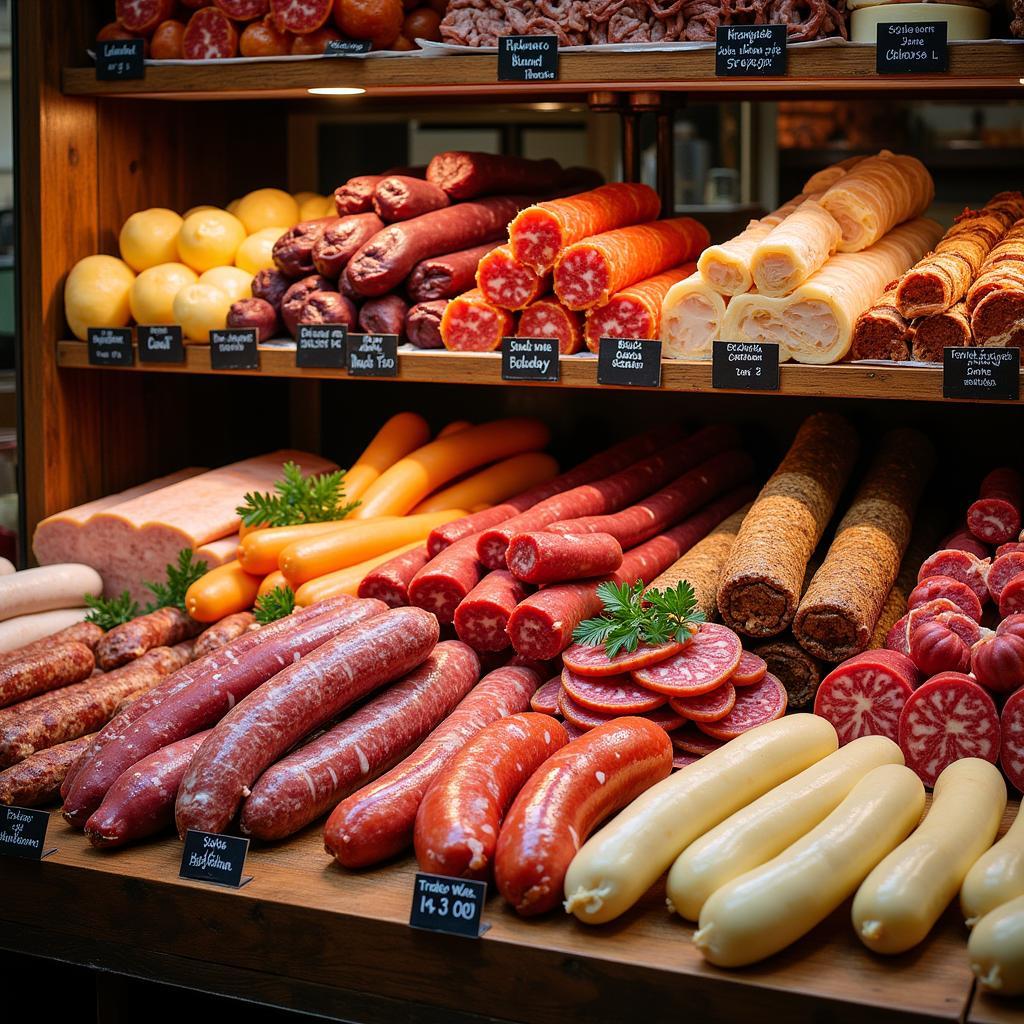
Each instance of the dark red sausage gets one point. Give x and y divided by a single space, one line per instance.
37 780
446 579
481 617
995 517
339 242
294 299
162 628
293 251
552 558
315 777
322 307
270 285
400 198
220 633
444 277
385 315
377 821
299 699
356 195
465 175
43 670
390 582
423 324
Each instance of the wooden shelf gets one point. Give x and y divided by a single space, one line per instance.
844 380
985 68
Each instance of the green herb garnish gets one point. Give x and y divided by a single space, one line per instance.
312 499
179 578
110 612
275 604
632 617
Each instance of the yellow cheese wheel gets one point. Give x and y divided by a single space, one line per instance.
149 237
266 208
152 295
961 22
256 253
97 293
209 239
201 308
234 282
315 206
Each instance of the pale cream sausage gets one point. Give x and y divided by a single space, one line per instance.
997 875
996 949
48 587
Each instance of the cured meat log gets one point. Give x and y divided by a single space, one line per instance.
691 319
506 282
36 781
87 633
390 581
356 195
220 633
444 277
794 249
548 318
635 312
43 670
539 233
590 272
423 324
837 614
472 324
881 331
763 579
465 175
543 557
398 197
383 315
996 299
482 617
931 334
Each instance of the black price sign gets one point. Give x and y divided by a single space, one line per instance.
110 346
23 833
234 349
981 373
630 361
346 47
527 58
750 51
373 355
451 905
119 59
908 47
745 365
160 344
321 346
210 857
529 359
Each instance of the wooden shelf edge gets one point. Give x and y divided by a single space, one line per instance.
842 380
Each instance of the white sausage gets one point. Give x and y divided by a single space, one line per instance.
620 863
996 949
997 875
7 567
772 822
906 894
26 629
50 586
772 906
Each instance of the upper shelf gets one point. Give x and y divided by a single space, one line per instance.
990 67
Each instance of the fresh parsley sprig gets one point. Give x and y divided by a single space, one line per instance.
298 499
631 617
274 605
179 578
108 612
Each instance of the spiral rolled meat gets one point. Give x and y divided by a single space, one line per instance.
691 318
794 249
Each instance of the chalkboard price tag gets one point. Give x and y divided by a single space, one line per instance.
119 59
529 359
630 361
234 349
347 47
211 857
745 366
23 833
527 58
750 51
110 346
321 346
373 355
981 373
909 47
450 905
160 344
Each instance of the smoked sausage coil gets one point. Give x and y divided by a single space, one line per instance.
481 617
44 670
507 283
36 781
398 197
313 779
465 175
377 821
423 324
473 324
444 277
299 699
220 633
548 318
162 628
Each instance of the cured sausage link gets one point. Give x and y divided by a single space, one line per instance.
220 633
299 699
44 670
481 618
162 628
444 277
548 558
466 175
36 781
390 582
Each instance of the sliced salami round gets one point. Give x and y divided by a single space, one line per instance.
545 700
587 718
706 662
611 695
1009 547
707 707
1011 757
865 694
960 565
681 760
898 637
1004 568
690 740
574 731
946 719
963 540
1011 601
937 588
964 626
142 16
755 705
592 661
749 671
300 16
995 516
209 35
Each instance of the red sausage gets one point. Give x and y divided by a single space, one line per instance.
446 580
506 282
423 324
400 198
220 633
444 277
44 670
468 175
566 799
390 582
293 251
299 699
315 777
87 633
549 558
481 617
341 240
140 803
385 315
959 565
162 628
995 517
934 588
356 195
36 780
458 821
377 821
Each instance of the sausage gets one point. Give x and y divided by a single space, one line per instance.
507 283
140 803
387 259
87 633
481 617
397 197
254 313
377 821
465 175
293 251
270 285
162 628
566 799
47 588
342 240
385 315
40 671
327 307
299 699
548 318
220 633
995 517
196 696
36 780
472 324
445 581
356 195
457 823
295 298
318 775
423 324
444 277
390 582
549 558
72 711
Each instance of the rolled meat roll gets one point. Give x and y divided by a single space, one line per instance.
881 331
691 317
828 176
794 249
931 334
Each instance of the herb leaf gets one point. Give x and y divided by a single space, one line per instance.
275 604
179 578
298 499
110 612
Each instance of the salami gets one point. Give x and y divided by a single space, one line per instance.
209 35
1003 549
465 175
548 318
397 197
356 195
220 633
384 315
36 781
635 312
799 672
545 700
481 618
141 17
712 706
610 695
444 277
549 558
963 540
507 283
750 670
1003 569
588 273
390 581
703 665
473 324
755 705
594 663
865 694
947 718
995 517
340 240
539 233
423 324
44 670
665 717
945 587
447 579
300 16
959 565
691 740
1011 757
1012 599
